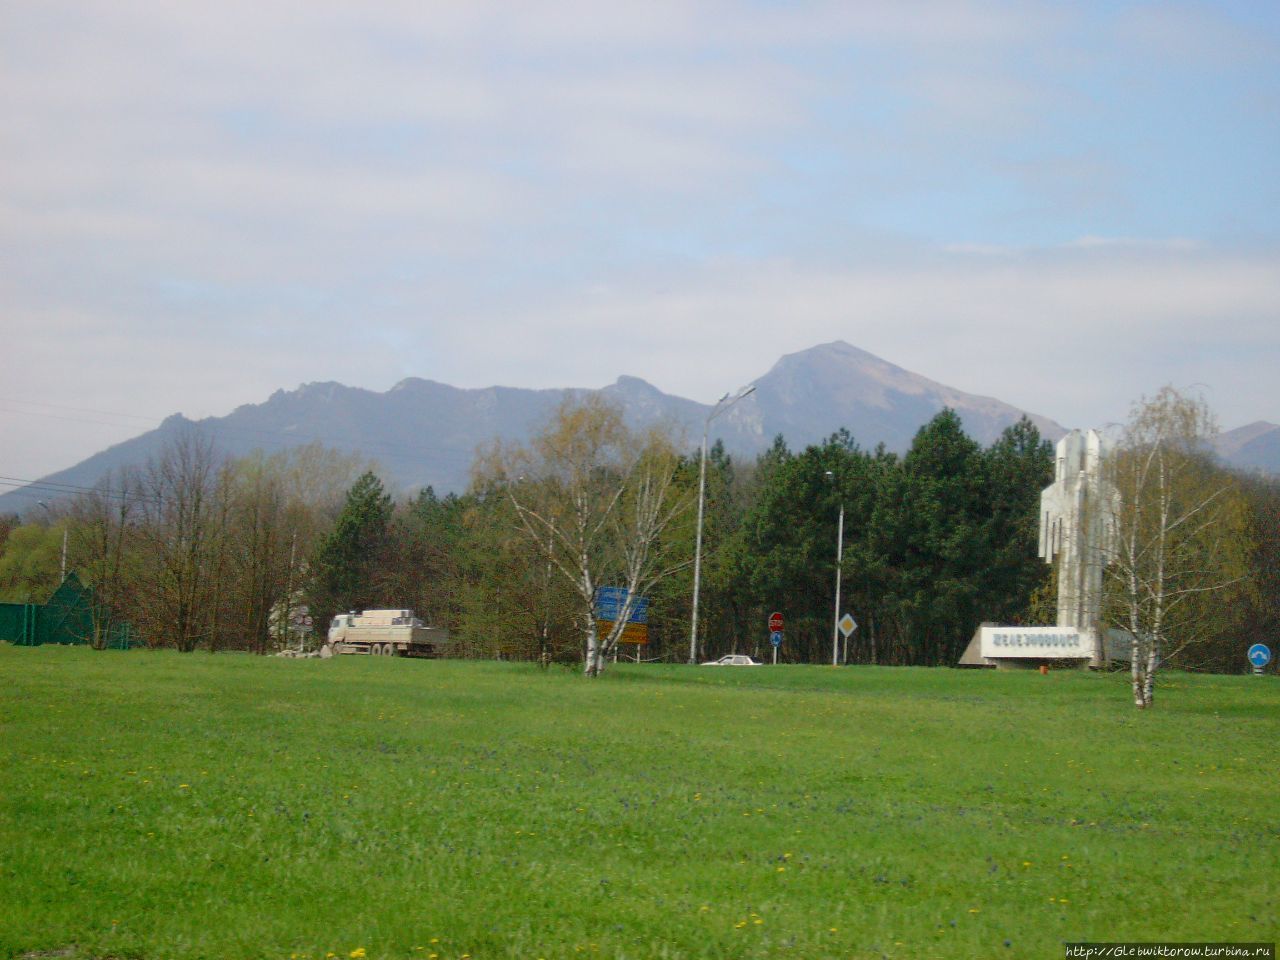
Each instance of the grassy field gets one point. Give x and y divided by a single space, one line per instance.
156 805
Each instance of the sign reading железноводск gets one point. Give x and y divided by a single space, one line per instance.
1048 643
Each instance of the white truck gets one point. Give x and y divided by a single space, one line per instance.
384 633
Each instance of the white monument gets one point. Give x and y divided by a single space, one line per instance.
1077 527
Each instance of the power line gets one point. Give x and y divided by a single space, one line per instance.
62 406
54 488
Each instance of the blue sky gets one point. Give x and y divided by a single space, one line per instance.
1062 205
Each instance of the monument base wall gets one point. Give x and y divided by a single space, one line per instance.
1027 648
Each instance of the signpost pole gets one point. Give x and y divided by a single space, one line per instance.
846 625
835 626
775 634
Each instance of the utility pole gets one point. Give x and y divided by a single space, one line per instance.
544 657
63 573
835 620
723 404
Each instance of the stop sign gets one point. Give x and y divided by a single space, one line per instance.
775 622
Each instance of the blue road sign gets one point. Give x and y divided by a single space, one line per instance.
609 603
776 638
1259 655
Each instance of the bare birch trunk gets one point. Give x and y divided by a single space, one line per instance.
1153 663
594 664
1136 672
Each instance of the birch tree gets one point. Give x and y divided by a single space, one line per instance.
1182 534
262 549
103 546
600 502
182 520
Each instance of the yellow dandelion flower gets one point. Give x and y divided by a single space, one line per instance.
357 953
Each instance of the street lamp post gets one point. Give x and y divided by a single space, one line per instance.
723 404
64 540
835 620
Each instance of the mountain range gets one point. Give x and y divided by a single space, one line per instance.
422 432
1253 447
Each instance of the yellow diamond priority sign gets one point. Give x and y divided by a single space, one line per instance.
848 625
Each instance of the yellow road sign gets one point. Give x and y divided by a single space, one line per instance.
637 633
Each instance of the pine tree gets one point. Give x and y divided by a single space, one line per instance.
346 566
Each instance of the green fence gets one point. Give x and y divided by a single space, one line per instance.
67 618
18 623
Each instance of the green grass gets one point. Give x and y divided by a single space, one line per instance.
158 805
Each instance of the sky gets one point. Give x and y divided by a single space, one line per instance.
1065 206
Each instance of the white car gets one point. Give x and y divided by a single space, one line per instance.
732 660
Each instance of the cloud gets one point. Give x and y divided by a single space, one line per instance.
1075 334
1183 32
1166 243
203 203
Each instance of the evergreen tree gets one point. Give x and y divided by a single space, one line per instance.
1016 468
346 567
939 556
428 540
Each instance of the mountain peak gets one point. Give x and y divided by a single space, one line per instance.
1253 445
841 349
633 385
426 432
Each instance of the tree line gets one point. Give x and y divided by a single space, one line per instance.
199 551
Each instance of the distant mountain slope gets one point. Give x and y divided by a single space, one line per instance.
1255 446
809 395
422 432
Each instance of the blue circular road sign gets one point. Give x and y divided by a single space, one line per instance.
1259 654
776 638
